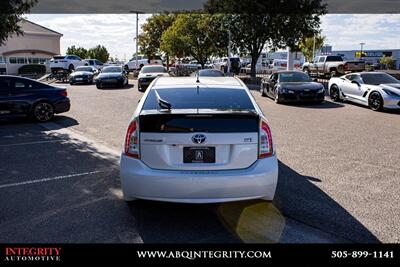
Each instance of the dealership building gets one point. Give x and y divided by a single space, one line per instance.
37 45
370 56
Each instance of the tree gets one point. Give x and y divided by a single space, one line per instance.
388 62
255 24
10 16
152 31
196 35
99 52
306 46
77 51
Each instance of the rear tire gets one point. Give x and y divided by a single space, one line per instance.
43 112
375 101
334 93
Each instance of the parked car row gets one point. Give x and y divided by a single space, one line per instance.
377 90
71 62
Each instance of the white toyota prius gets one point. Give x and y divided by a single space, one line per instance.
198 140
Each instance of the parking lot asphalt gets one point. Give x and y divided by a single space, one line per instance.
338 179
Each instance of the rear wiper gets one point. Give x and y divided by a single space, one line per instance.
162 103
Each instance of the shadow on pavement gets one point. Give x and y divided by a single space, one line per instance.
126 87
301 213
63 121
323 105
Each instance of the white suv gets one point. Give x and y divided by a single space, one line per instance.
66 63
141 62
200 141
95 63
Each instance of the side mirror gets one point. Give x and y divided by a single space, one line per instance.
357 83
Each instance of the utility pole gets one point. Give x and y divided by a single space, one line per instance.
137 39
137 34
361 52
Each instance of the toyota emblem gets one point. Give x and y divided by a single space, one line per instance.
198 138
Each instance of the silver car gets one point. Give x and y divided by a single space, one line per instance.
378 90
198 140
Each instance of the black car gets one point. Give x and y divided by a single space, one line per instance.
292 86
112 76
83 74
208 73
25 97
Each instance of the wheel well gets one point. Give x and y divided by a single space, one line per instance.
332 69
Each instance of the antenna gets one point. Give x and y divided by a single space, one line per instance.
197 77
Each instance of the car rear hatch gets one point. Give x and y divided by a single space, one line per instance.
198 139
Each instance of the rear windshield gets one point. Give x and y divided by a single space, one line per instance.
150 69
334 58
111 70
84 69
202 98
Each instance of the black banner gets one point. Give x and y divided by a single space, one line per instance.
199 254
156 6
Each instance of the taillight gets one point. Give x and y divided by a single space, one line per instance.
346 66
265 145
132 140
64 93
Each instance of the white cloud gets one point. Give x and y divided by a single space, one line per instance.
117 31
378 31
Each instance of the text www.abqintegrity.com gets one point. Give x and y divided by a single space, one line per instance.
203 254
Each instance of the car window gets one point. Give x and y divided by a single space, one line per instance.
274 77
334 58
202 98
99 62
378 78
4 85
321 60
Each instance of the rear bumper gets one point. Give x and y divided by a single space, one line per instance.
140 181
62 106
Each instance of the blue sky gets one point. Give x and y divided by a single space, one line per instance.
117 31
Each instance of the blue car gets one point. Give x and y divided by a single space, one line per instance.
21 97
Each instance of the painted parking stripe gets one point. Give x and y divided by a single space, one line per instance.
49 179
32 143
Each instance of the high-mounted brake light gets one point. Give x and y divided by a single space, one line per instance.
265 144
132 140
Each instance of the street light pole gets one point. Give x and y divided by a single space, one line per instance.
137 38
361 52
137 34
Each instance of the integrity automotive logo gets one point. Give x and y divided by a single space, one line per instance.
32 254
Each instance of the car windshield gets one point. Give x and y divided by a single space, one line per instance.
378 78
150 69
112 70
294 77
210 73
59 57
202 98
84 69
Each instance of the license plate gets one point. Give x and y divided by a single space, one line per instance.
199 155
79 79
